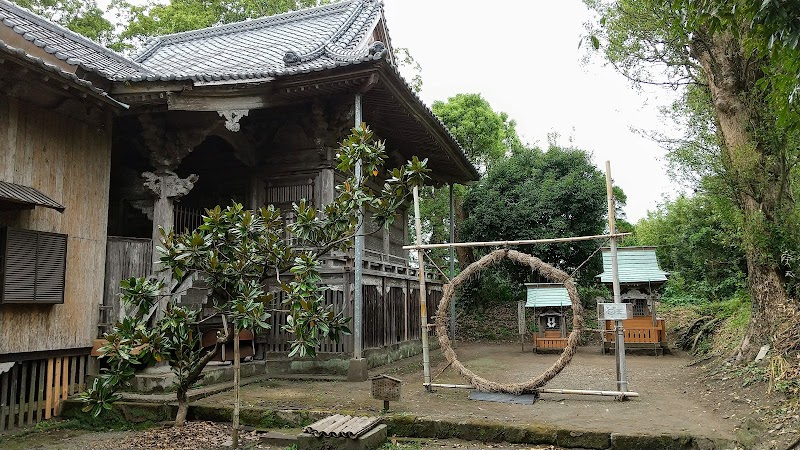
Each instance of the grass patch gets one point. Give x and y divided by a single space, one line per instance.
401 444
733 328
731 318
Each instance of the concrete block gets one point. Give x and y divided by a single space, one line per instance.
369 441
358 370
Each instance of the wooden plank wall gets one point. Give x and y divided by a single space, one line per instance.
278 341
34 390
70 162
125 258
389 317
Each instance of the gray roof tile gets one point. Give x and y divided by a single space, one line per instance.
296 42
67 45
69 76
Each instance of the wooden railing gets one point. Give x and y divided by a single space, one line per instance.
187 218
549 343
638 330
650 335
33 390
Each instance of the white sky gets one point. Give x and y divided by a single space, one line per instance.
523 57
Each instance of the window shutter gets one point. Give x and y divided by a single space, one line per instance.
51 257
34 265
19 280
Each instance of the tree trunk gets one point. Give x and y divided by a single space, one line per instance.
464 254
193 376
754 175
183 407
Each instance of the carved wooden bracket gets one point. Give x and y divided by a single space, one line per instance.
168 184
232 117
167 148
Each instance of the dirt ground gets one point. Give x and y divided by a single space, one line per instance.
675 397
664 405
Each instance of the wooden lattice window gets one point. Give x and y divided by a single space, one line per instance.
640 307
32 266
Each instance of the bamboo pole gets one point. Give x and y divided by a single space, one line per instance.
452 265
589 392
509 243
423 303
619 346
547 391
445 385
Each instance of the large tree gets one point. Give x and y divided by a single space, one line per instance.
487 136
699 243
537 194
745 57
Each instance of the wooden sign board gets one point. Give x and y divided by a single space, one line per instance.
614 311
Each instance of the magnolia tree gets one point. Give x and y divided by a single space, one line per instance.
238 252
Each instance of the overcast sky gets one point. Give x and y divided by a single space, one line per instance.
523 57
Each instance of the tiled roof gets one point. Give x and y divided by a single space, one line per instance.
297 42
59 72
67 45
634 265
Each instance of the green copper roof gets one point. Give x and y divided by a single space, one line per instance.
547 294
635 265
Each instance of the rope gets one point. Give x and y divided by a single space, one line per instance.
536 265
572 275
424 252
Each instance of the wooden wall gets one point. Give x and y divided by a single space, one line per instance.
70 162
125 258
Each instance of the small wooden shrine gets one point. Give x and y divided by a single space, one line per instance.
639 279
549 302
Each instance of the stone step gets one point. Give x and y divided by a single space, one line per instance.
278 439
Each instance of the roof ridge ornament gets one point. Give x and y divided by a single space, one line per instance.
341 54
355 10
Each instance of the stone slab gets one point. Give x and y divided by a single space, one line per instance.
371 440
278 439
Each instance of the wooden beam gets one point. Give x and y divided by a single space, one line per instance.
508 243
133 87
369 84
180 102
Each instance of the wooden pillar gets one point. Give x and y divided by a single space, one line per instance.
324 187
256 193
166 187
